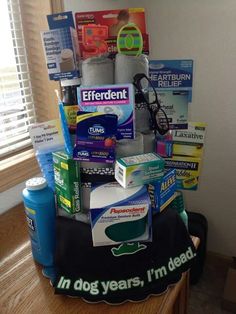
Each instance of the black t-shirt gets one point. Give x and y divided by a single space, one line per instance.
128 271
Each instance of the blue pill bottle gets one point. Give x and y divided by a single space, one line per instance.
40 210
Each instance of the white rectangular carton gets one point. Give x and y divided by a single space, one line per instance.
139 169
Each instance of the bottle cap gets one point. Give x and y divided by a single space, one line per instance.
72 82
37 183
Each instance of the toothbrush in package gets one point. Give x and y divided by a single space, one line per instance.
65 130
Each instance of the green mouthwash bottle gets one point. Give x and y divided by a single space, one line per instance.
178 205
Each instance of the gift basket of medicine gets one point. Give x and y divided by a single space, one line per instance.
109 161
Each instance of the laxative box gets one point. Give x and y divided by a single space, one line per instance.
162 192
67 182
189 142
139 169
187 171
112 99
119 215
61 47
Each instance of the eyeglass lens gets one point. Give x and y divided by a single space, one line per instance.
162 120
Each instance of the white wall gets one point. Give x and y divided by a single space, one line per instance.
203 30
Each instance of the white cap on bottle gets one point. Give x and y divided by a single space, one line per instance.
37 183
75 81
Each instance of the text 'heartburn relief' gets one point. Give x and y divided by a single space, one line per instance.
105 287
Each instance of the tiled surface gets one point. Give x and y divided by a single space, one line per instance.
205 296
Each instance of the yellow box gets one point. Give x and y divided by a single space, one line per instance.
186 149
187 171
189 142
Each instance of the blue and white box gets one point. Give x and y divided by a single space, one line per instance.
162 192
174 75
119 215
112 99
61 47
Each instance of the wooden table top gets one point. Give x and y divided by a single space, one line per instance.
25 290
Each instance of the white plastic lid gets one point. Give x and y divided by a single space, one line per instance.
75 81
66 54
36 183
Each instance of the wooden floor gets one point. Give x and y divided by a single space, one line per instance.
25 290
206 295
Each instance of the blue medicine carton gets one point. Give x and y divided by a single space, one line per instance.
162 192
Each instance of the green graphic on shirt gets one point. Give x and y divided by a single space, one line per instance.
128 249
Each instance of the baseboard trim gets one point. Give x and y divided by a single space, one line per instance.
219 255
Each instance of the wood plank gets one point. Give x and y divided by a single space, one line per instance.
13 230
16 170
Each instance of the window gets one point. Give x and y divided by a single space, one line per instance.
25 90
16 100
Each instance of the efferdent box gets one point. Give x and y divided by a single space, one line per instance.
139 169
67 182
119 215
113 99
162 192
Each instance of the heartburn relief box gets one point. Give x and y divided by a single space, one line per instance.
139 169
67 182
119 215
61 47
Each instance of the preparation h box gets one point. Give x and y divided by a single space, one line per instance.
187 171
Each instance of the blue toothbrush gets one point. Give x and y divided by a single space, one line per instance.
65 130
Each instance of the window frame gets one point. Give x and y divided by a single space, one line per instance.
19 167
